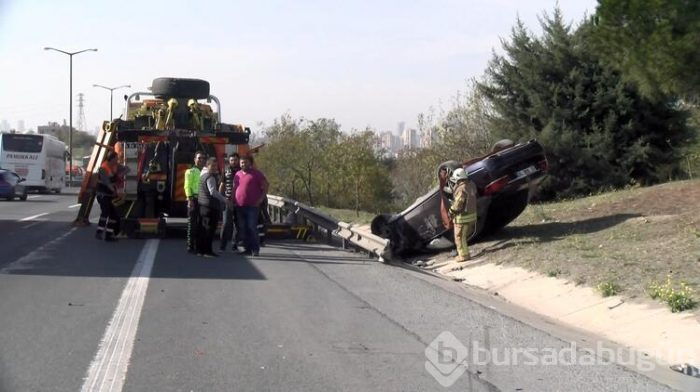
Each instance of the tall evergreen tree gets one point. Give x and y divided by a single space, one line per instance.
655 43
597 129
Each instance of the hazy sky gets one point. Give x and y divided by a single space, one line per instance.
364 63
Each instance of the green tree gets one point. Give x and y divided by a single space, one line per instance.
281 143
366 179
321 136
313 161
598 131
655 43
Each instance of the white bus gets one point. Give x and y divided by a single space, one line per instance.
37 158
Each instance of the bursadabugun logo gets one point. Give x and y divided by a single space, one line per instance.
447 359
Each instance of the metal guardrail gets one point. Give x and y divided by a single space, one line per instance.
374 245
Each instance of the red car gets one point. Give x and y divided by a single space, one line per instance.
506 179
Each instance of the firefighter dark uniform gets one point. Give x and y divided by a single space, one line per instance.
106 193
463 212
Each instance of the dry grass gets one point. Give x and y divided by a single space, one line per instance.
632 237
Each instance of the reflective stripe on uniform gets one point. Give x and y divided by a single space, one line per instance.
465 218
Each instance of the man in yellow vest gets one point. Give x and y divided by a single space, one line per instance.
462 211
191 192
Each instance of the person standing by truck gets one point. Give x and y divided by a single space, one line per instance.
226 187
463 211
250 188
211 203
192 192
106 193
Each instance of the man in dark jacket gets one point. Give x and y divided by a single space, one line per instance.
106 192
211 203
226 187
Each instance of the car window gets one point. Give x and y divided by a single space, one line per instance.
8 178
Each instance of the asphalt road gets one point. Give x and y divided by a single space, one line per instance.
143 315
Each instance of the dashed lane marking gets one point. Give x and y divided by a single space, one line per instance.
32 217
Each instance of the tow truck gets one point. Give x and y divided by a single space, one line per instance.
162 130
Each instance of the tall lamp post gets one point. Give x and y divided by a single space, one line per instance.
70 105
111 95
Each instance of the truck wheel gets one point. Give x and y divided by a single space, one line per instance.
180 88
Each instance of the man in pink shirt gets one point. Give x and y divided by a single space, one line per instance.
250 189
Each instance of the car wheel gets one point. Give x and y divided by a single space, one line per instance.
180 88
449 165
24 196
380 225
502 145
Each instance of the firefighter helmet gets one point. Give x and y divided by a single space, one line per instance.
458 175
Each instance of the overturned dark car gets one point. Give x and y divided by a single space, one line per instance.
506 180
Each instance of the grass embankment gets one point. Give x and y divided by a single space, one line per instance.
625 242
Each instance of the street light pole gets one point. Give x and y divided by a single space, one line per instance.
70 108
111 95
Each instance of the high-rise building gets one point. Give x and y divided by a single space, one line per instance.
4 125
409 139
400 128
20 126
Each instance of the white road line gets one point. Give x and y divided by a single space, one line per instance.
30 225
33 197
75 205
107 372
32 217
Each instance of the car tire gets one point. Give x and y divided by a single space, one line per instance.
24 196
502 145
451 165
180 88
380 226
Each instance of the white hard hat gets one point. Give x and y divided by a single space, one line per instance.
459 174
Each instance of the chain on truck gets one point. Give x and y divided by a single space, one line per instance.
157 141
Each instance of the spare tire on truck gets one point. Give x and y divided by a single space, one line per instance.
180 88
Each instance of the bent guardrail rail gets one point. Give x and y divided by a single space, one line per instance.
374 245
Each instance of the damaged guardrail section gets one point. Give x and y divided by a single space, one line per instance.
334 229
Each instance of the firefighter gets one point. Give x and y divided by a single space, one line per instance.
191 192
462 211
106 192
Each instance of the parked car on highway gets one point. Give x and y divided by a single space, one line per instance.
506 180
11 185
